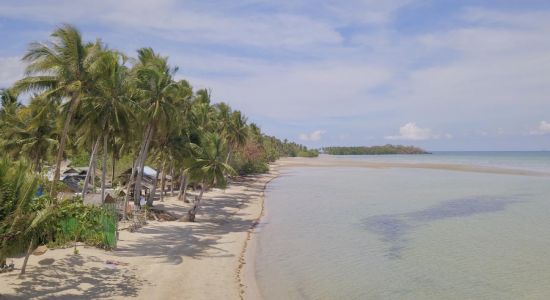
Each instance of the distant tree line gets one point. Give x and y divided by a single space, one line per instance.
374 150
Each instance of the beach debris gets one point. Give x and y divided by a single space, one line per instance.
7 267
40 250
46 261
161 215
112 264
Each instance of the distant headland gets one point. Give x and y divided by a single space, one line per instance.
374 150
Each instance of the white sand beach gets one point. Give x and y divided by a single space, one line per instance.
162 260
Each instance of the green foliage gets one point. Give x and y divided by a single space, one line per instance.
253 157
29 131
245 162
25 216
93 225
132 111
208 165
308 153
277 148
256 167
17 210
79 159
374 150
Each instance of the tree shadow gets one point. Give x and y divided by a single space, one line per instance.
218 216
76 277
87 277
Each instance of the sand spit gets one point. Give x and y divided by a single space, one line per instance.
327 161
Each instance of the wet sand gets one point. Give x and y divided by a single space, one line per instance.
327 161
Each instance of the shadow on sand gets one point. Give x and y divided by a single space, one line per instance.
217 217
87 277
76 277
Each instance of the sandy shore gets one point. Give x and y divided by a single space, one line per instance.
162 260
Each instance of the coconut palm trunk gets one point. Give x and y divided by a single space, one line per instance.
162 182
27 255
183 188
93 177
89 172
141 161
74 104
113 161
172 180
104 167
228 155
37 165
191 214
151 197
130 182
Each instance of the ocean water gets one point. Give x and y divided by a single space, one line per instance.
359 233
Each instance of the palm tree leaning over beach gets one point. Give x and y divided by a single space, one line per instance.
155 87
209 168
58 69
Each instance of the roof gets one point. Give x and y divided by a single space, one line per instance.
72 184
149 171
76 170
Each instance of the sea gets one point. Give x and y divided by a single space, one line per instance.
401 233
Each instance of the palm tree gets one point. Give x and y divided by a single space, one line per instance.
107 108
9 103
236 133
209 168
31 132
154 84
58 69
17 192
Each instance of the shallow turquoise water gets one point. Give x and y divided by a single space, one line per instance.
358 233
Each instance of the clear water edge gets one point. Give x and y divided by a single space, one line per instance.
406 234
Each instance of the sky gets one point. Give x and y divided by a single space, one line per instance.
439 74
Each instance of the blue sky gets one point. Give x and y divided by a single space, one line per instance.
443 75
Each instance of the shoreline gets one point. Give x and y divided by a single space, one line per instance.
246 273
213 258
248 284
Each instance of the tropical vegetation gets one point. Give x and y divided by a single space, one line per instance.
374 150
86 104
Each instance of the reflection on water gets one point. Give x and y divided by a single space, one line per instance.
394 228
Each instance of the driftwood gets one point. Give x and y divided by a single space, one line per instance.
161 215
40 250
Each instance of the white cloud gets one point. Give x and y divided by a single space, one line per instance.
295 62
412 132
11 69
313 136
543 128
172 20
